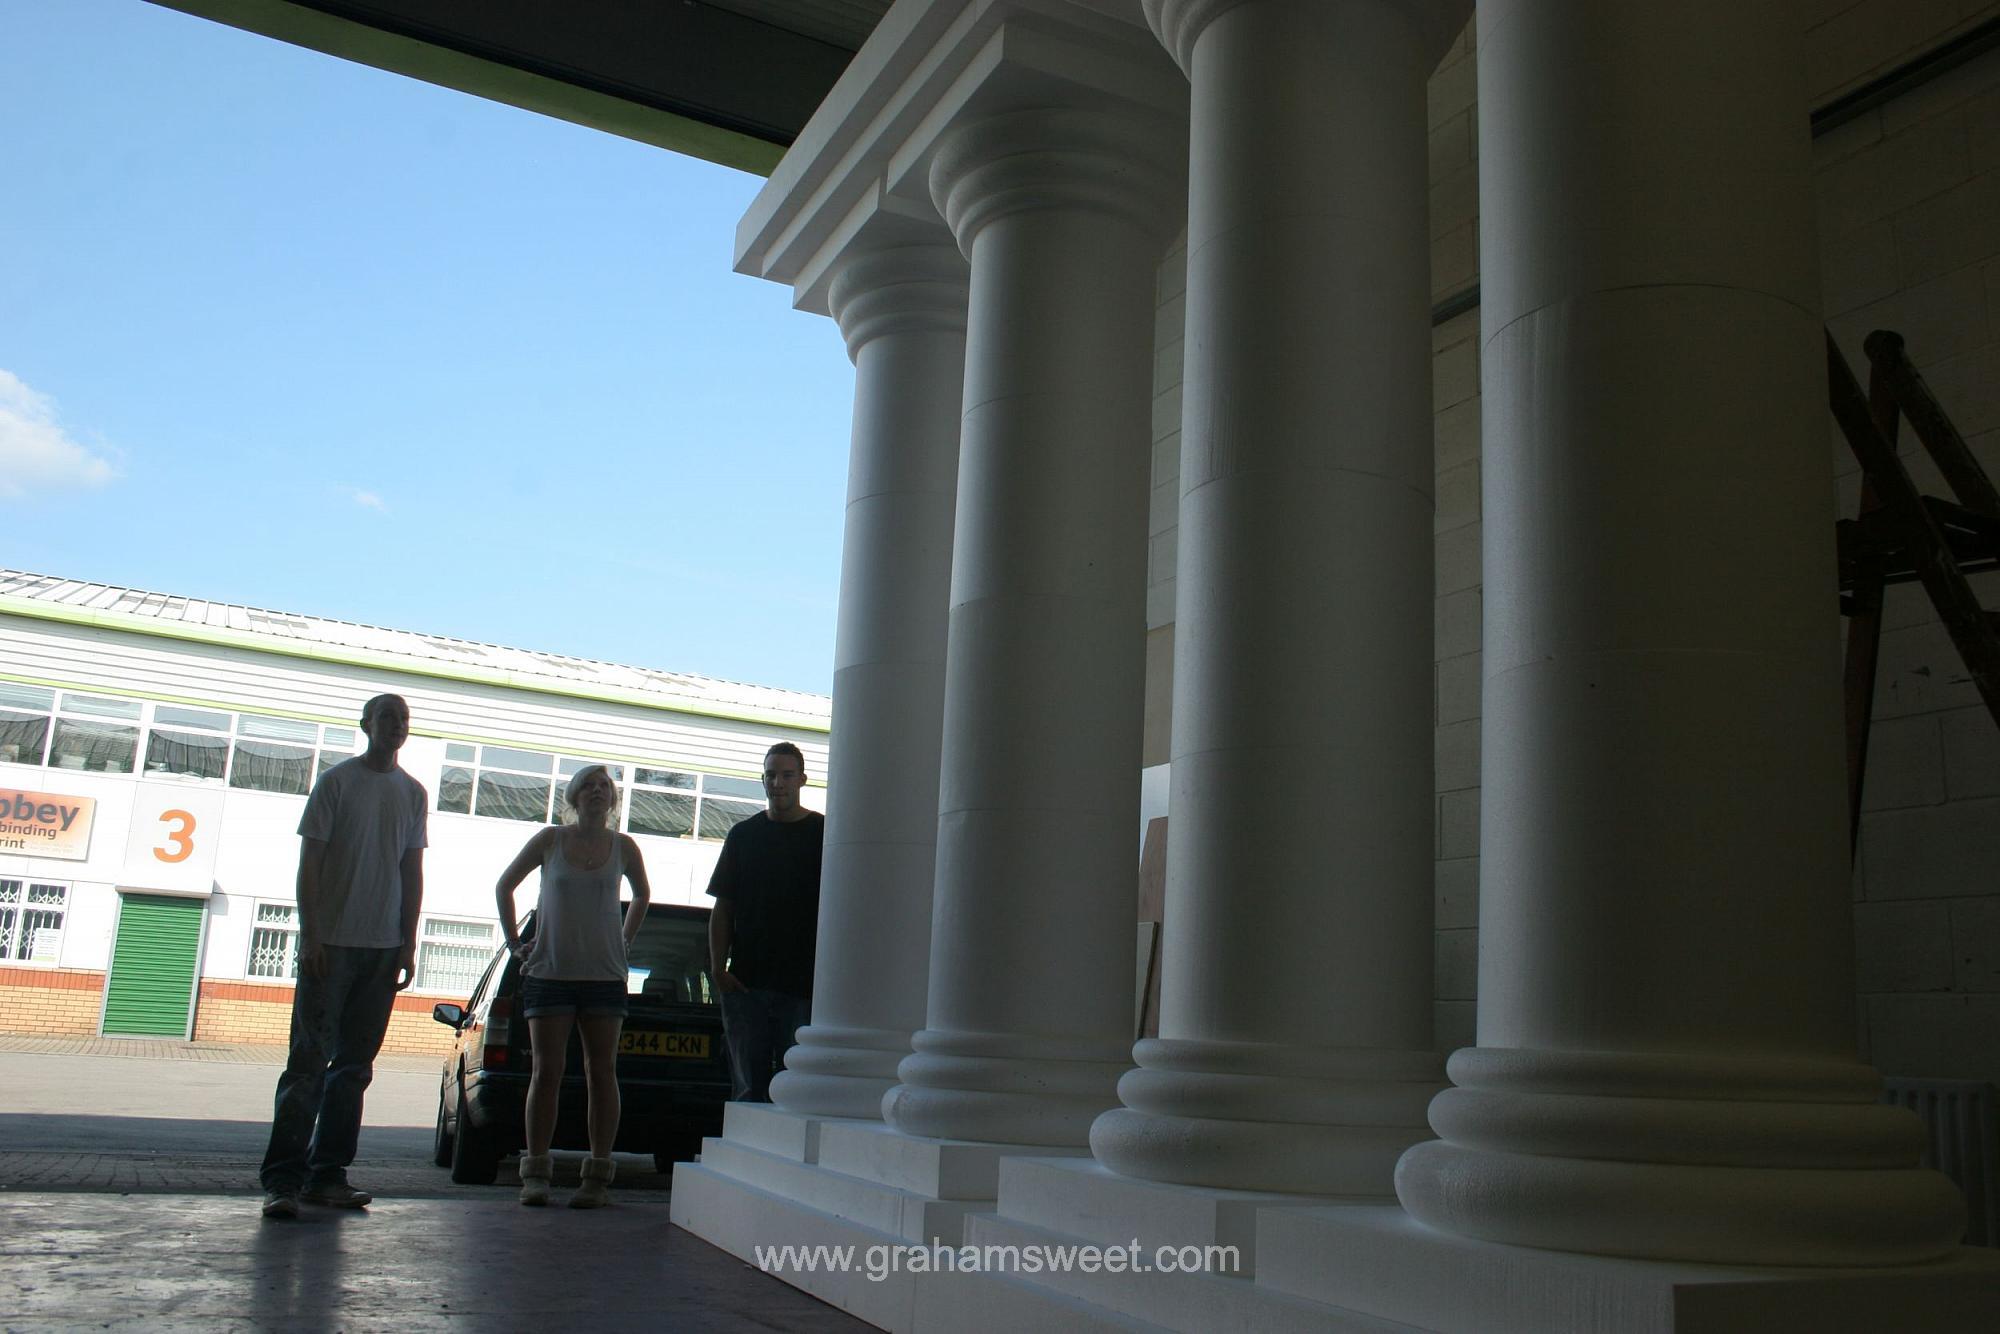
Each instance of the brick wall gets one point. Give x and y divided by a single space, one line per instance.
251 1014
260 1013
1910 240
50 1002
1454 226
69 1002
1163 516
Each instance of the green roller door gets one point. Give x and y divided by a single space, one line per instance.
151 989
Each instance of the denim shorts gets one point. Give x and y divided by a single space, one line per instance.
551 995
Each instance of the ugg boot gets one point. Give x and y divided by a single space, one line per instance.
535 1168
595 1188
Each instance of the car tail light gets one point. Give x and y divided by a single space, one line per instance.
499 1032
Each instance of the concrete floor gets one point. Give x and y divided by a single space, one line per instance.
128 1199
72 1261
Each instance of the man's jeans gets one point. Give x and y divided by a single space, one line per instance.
761 1026
338 1021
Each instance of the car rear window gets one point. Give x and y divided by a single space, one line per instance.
669 959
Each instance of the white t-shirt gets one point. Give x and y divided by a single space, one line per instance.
368 820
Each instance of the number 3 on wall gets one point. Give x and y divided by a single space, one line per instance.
181 840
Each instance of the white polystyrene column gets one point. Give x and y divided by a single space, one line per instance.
902 311
1295 1030
1666 1064
1064 215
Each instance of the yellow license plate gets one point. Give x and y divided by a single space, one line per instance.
654 1042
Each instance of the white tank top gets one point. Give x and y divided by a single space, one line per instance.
579 928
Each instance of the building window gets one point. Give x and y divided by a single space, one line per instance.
94 732
451 954
24 722
725 802
190 742
454 792
673 803
274 943
337 744
31 921
101 733
511 784
507 783
663 803
285 754
502 782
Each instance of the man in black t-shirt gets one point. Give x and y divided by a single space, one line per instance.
763 926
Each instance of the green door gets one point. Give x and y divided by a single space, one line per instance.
153 962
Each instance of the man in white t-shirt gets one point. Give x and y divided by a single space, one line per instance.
360 887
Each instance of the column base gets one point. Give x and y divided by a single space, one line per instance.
841 1072
1257 1117
1379 1261
1678 1157
1002 1088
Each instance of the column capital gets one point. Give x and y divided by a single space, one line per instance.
1124 164
1179 24
899 289
863 163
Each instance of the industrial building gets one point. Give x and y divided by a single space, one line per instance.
155 755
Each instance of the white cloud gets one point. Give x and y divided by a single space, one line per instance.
36 452
367 500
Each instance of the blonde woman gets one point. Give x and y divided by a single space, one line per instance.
573 974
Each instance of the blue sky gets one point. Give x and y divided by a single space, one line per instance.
288 331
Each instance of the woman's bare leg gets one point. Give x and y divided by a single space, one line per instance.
600 1072
548 1035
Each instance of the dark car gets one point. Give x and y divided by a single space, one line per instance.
673 1073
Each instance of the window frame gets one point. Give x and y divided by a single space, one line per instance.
323 751
426 938
155 727
26 711
17 905
704 800
66 712
290 930
331 742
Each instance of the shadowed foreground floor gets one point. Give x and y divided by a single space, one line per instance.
151 1261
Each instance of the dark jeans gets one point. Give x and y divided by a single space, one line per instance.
760 1026
338 1020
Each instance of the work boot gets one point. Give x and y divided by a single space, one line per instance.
596 1188
535 1169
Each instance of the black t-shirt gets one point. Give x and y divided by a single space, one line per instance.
769 874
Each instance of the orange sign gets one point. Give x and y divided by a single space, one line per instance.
46 824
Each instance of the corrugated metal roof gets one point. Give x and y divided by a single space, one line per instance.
295 633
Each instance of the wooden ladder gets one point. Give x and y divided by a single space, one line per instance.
1900 535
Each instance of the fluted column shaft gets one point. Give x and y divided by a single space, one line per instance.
902 311
1666 1063
1030 1020
1295 1034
